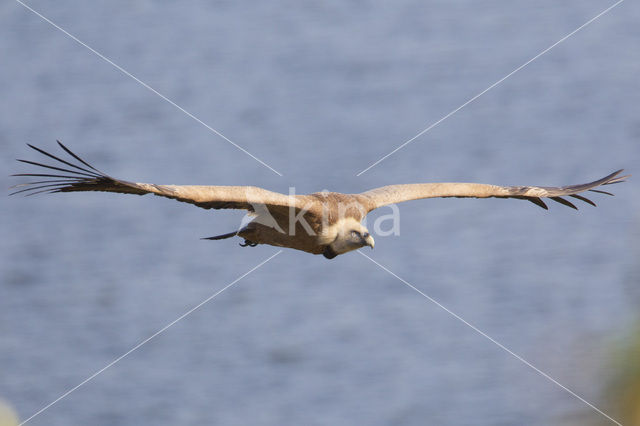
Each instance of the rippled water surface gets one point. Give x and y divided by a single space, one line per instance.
318 91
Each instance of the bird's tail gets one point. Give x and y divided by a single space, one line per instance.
222 237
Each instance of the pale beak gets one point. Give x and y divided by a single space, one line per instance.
368 241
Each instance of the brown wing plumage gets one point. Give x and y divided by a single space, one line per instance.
398 193
75 174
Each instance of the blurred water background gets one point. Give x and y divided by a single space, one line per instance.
319 91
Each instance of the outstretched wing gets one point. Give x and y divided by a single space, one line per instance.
75 174
398 193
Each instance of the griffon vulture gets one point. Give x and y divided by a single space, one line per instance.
327 223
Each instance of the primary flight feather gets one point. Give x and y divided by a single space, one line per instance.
327 223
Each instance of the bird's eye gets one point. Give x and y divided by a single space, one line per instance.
355 234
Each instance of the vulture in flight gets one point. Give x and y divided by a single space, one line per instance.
327 223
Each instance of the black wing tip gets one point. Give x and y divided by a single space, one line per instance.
575 190
71 153
583 198
599 191
538 202
58 182
614 178
563 201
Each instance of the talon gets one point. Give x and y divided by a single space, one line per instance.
248 243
